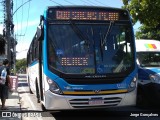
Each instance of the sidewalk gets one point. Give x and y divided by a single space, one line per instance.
13 105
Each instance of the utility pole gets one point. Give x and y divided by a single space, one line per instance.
9 31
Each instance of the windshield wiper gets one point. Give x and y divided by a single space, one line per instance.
107 33
79 33
103 41
101 50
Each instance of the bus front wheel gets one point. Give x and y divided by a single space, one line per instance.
43 107
30 91
37 93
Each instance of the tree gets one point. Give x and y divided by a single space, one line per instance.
147 13
147 32
21 65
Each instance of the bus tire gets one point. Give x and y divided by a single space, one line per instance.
37 93
43 107
30 91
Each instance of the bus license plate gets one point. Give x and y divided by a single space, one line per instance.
96 102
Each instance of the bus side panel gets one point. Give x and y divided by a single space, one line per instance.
33 75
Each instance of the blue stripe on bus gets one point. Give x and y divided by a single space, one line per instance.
45 56
33 63
124 84
53 76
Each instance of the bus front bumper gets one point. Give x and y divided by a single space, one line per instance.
68 102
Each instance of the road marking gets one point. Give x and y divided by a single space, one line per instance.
32 105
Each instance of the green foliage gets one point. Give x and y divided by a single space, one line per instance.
148 33
21 65
147 13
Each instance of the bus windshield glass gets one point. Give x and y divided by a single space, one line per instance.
149 59
89 48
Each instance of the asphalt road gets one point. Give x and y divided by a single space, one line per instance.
29 103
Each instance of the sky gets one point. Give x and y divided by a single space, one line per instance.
27 17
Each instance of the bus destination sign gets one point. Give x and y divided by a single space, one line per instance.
86 15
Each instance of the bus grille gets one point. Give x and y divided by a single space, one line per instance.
84 103
94 80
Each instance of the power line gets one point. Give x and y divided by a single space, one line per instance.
27 18
26 25
56 2
85 2
21 6
23 36
16 16
69 2
21 19
17 8
101 3
2 2
91 2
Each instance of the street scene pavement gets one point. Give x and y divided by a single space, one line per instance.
23 106
19 104
13 105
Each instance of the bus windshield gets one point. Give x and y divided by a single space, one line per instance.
89 48
149 59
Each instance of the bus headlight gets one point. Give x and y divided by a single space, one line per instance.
53 87
133 84
155 78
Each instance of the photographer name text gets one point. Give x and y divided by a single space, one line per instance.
144 115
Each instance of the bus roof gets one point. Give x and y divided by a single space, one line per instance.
147 45
84 13
80 6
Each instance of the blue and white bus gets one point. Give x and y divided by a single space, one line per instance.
76 61
148 60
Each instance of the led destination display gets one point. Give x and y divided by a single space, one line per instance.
86 15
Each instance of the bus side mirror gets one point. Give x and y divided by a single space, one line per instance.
41 19
39 32
40 29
